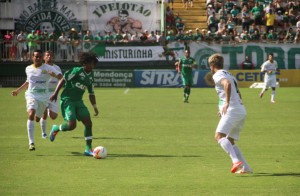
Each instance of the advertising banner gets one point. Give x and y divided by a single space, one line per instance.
132 53
285 78
286 55
113 78
170 78
289 78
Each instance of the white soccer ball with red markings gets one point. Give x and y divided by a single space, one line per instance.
100 152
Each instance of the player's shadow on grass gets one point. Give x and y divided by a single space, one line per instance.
148 155
272 175
110 138
137 155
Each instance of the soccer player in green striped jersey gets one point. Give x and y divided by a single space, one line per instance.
186 65
75 81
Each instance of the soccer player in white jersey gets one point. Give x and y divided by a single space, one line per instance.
269 68
232 113
37 96
52 108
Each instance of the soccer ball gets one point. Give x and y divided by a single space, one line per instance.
100 152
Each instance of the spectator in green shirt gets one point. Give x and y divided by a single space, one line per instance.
88 38
98 37
108 37
257 13
118 36
272 36
32 42
197 36
234 13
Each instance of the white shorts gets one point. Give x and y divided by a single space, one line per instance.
37 105
270 82
232 122
53 106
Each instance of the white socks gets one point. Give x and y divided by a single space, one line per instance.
43 125
227 146
273 96
30 130
241 158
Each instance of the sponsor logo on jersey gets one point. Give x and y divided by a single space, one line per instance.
40 81
81 86
44 71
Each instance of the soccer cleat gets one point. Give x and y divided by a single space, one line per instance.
53 133
44 135
272 101
88 152
31 147
261 94
242 171
236 166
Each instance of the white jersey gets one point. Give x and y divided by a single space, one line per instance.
235 100
231 123
268 66
38 79
53 81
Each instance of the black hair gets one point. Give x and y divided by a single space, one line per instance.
88 57
37 50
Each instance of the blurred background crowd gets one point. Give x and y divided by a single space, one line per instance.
228 22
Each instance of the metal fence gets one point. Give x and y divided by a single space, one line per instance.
69 51
63 52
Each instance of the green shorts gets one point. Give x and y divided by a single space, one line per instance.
72 110
187 81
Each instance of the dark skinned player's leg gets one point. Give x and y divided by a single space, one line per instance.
88 135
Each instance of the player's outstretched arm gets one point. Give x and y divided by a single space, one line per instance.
56 74
18 90
60 84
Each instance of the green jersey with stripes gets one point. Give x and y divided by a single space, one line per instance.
187 66
76 81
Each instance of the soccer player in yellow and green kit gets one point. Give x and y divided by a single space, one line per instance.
75 81
186 65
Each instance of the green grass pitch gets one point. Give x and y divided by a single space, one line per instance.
157 145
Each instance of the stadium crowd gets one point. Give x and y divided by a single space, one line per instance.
228 21
235 21
67 45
